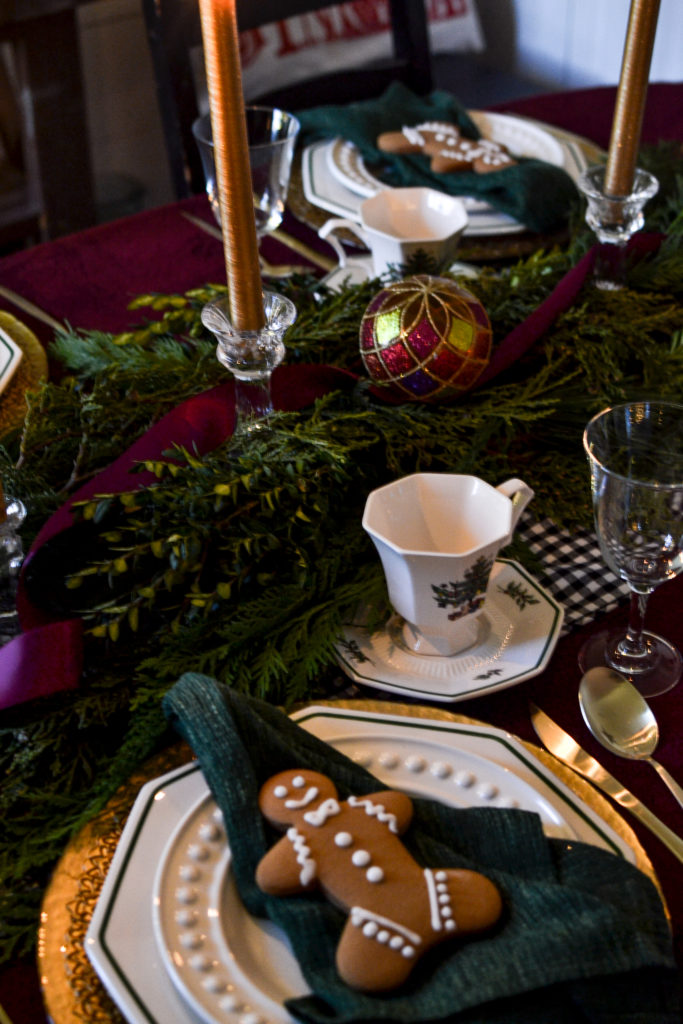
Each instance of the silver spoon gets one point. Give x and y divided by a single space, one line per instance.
621 720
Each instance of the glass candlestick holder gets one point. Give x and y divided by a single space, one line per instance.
12 513
251 356
614 219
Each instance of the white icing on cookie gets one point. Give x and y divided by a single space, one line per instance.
379 927
319 815
376 811
303 856
309 796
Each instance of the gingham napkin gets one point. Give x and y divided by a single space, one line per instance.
574 571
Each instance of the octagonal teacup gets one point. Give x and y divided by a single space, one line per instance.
437 535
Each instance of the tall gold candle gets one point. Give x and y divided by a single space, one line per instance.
631 95
231 152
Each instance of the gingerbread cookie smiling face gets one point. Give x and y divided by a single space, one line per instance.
352 851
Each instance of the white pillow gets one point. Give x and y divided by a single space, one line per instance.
346 35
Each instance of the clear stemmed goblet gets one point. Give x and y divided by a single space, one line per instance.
272 135
635 453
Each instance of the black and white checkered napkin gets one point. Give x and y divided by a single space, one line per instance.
574 571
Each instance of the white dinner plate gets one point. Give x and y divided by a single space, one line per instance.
518 631
137 940
521 137
336 179
10 357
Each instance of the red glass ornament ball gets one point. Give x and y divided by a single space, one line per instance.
425 339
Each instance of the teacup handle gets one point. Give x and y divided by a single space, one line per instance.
335 224
519 494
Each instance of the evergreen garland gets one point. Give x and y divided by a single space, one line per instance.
245 562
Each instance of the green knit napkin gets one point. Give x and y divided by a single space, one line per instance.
583 937
535 193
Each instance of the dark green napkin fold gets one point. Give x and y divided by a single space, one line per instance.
583 937
535 193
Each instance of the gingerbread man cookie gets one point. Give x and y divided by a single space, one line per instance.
351 850
448 149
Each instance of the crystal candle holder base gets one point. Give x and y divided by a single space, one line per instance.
614 219
251 356
11 555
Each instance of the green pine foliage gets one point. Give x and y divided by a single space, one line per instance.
245 562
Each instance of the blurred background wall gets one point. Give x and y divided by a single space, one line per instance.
524 47
530 46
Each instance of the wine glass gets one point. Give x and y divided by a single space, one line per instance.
635 452
271 135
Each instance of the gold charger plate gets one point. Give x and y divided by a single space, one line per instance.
72 991
31 370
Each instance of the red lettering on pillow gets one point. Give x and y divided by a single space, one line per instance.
441 10
251 44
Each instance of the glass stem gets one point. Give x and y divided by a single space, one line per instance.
609 272
634 645
253 402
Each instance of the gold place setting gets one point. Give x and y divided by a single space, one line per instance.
340 632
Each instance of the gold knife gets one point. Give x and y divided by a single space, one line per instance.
567 750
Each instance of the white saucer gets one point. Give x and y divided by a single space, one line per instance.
518 631
359 269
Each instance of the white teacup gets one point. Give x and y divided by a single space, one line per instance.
438 535
396 223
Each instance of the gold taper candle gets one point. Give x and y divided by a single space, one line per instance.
631 95
231 152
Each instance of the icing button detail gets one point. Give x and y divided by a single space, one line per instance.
374 874
343 839
360 858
